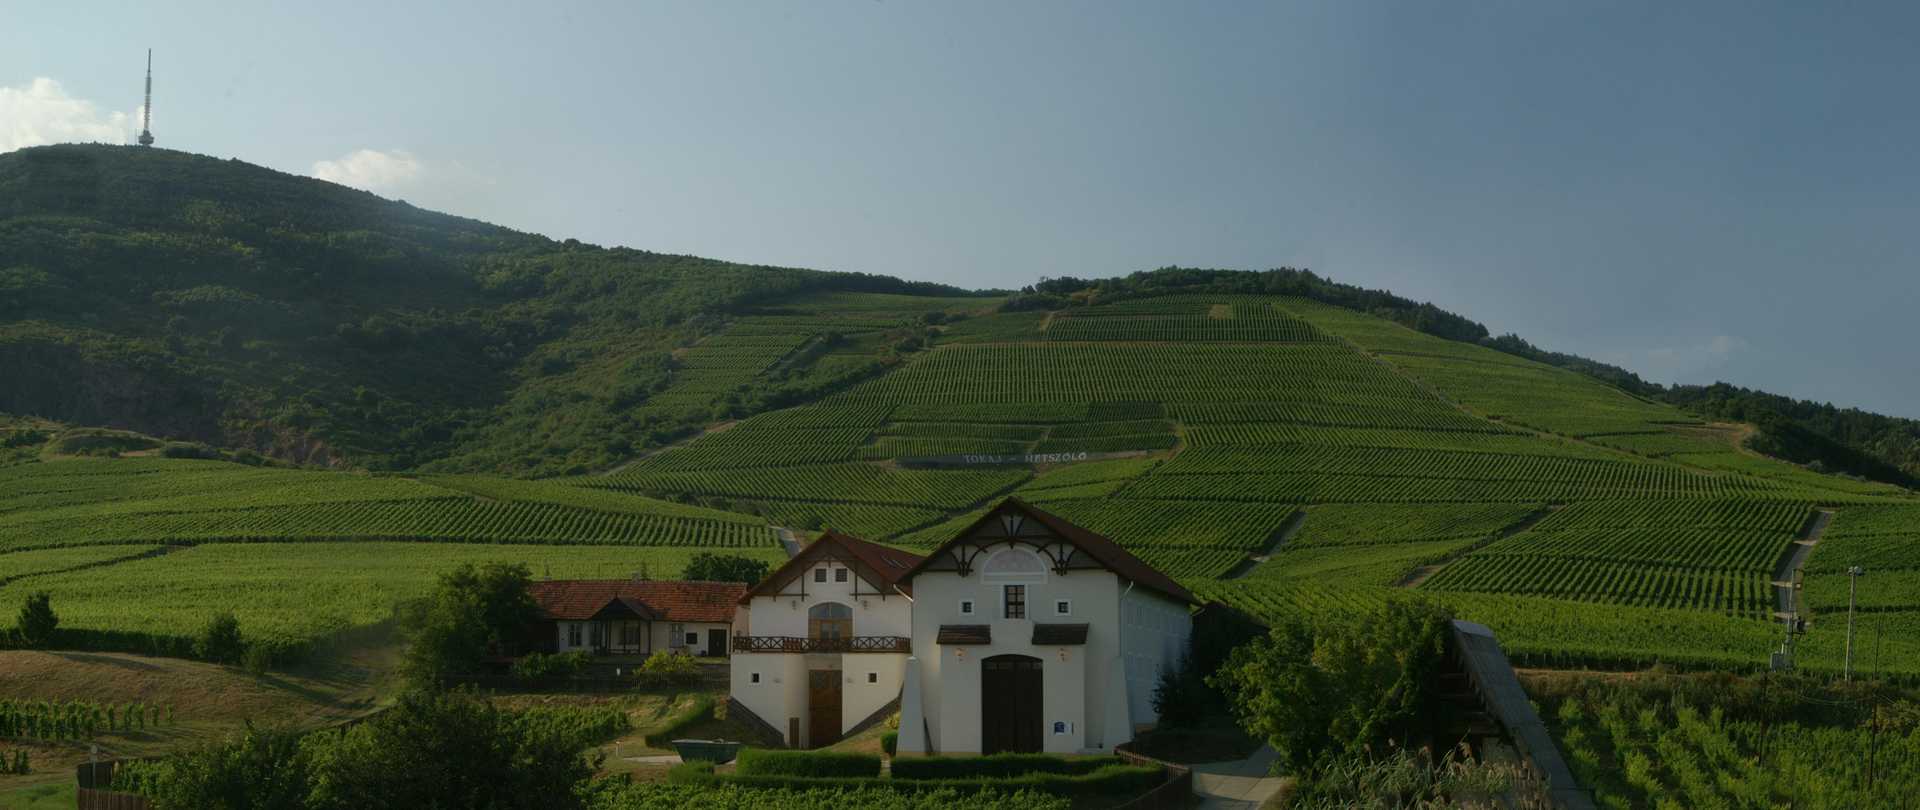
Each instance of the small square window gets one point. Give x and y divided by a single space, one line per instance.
1063 608
753 678
839 575
873 677
966 607
693 639
819 575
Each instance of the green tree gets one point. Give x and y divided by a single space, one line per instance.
263 770
37 620
473 610
220 640
709 567
448 749
1321 693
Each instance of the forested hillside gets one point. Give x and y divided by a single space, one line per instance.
214 300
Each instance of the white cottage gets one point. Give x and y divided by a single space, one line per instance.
821 645
1031 634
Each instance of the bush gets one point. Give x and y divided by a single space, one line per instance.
697 772
890 742
258 659
997 766
700 712
37 621
665 668
768 762
541 668
220 640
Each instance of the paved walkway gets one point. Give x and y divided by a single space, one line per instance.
1238 785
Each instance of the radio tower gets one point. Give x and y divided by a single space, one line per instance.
146 110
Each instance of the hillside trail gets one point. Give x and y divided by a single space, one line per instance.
1421 574
1243 784
1794 558
1280 538
788 542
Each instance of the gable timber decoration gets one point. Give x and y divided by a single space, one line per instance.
881 566
1015 524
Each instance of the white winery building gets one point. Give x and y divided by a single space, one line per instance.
1022 633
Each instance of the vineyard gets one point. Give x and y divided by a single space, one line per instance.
1322 458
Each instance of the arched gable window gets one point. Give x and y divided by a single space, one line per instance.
830 621
1014 565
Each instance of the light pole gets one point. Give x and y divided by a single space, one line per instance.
1853 583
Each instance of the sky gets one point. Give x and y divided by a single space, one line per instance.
1698 192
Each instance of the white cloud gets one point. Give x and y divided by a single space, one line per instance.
1723 345
372 170
41 112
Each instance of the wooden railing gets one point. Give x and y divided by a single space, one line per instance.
802 644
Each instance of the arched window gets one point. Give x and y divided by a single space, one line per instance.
830 621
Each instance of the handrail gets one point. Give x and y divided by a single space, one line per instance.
802 644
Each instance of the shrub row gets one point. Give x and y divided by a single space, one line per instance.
1108 780
997 766
756 762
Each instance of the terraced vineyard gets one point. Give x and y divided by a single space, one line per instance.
1281 454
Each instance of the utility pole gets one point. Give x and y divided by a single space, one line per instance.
1853 583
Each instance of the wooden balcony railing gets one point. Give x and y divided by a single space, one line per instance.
802 644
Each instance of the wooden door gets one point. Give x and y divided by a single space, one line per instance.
1010 705
823 707
716 641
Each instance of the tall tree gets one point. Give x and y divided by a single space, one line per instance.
37 620
473 609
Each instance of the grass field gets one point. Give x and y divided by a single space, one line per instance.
1583 524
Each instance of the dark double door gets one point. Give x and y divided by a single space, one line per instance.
1010 705
823 707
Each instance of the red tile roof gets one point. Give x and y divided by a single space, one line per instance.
670 600
883 565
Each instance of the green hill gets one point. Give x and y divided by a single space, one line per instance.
195 298
1274 440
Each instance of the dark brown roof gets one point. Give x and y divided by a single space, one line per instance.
964 634
1054 635
884 566
658 600
1092 543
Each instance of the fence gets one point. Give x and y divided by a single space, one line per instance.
1176 792
801 644
94 779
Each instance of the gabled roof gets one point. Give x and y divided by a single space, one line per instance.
655 600
881 565
1093 544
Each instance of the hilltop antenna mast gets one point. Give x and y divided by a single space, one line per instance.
146 110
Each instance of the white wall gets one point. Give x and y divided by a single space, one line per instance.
950 677
781 692
663 637
872 615
1154 633
860 699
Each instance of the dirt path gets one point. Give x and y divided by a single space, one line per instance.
788 542
1419 575
1280 538
1794 558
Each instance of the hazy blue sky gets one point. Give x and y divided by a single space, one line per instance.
1695 191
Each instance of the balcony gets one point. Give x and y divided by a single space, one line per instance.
802 644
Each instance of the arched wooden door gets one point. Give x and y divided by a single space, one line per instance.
1010 705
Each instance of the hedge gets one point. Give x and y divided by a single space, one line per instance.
1111 780
890 742
997 766
769 762
610 795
